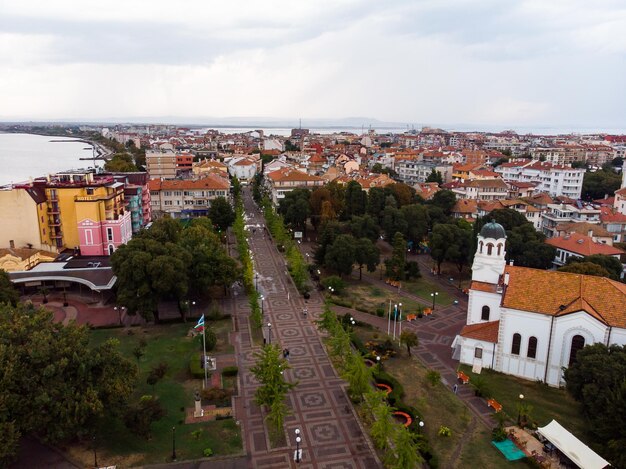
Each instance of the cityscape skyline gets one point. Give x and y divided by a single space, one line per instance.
477 63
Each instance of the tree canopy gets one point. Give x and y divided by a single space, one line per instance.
598 183
221 213
53 384
8 292
597 379
585 268
121 163
610 264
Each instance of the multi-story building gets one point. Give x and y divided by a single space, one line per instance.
21 206
136 197
161 164
187 198
579 246
413 171
556 180
557 214
482 189
285 180
244 167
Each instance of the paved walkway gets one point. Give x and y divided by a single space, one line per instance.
331 433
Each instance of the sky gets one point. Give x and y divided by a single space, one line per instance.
560 63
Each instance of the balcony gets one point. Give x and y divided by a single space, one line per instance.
53 210
57 235
54 222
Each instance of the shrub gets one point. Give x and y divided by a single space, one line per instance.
498 434
208 452
140 416
433 377
358 344
210 338
335 282
444 431
380 312
195 366
230 371
217 396
196 434
395 396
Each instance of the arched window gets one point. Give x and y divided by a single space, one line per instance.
517 342
111 249
532 347
481 247
485 313
499 249
578 342
489 249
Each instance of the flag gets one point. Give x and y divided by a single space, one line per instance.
200 324
395 311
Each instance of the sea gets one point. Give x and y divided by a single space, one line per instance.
25 156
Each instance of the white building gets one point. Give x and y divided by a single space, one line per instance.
556 180
244 167
531 323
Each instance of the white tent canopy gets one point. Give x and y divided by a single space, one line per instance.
579 453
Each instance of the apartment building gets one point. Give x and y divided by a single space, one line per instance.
187 198
556 180
284 180
557 214
413 171
482 189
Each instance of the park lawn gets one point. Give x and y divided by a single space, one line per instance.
547 402
423 287
366 297
171 344
439 406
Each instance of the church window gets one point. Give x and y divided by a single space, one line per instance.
532 347
485 313
517 342
578 342
499 249
489 249
481 243
478 352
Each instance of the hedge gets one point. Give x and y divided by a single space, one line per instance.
195 367
230 371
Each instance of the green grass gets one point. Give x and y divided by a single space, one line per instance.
548 403
170 344
423 288
439 406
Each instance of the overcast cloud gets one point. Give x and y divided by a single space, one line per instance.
485 62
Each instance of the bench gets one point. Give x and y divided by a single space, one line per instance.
428 311
411 317
462 377
494 404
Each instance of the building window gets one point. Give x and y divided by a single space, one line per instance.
517 342
478 352
578 342
88 237
489 249
485 313
481 247
111 249
532 347
499 249
110 234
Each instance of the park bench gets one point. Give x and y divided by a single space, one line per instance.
462 377
411 317
494 404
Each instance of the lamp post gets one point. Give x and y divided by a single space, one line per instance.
298 440
262 298
420 426
352 324
434 295
331 290
519 410
256 280
269 332
95 455
174 443
378 363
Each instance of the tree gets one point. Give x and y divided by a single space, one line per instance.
599 183
444 199
435 176
442 240
295 208
395 265
140 416
609 263
402 192
377 168
376 203
326 238
368 254
383 425
318 198
43 363
221 213
409 338
585 268
406 451
417 220
364 227
8 293
355 200
340 256
597 379
121 163
393 219
357 374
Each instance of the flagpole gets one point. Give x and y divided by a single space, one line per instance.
395 319
204 356
389 318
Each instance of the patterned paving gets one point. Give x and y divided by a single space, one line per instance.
332 437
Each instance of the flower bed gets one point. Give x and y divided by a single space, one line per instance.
384 387
407 417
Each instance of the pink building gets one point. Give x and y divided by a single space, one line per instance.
102 238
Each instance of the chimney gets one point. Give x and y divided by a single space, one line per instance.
506 278
590 233
511 262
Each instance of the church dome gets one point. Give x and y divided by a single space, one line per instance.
493 230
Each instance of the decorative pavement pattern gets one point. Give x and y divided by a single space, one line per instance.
332 437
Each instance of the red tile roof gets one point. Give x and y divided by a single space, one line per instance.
486 331
210 181
583 245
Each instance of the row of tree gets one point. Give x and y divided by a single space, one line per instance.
171 262
54 384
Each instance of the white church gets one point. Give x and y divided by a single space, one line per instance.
530 323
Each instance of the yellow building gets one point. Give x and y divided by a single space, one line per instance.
20 259
22 209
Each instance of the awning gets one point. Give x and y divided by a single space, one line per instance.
579 453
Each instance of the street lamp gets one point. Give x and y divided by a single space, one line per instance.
269 332
173 443
421 425
95 455
298 440
331 290
434 295
256 281
519 410
378 362
262 298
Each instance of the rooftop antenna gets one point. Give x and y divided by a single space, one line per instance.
300 123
